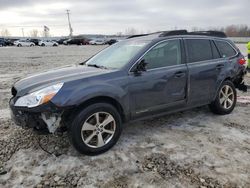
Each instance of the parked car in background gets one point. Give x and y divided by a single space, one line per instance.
2 42
60 41
24 42
35 41
77 41
97 42
47 43
10 42
133 79
111 41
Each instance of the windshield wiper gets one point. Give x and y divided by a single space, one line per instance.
97 66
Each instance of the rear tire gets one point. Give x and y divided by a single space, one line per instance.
19 45
225 100
95 129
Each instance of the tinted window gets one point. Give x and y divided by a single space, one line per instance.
215 51
225 49
199 50
164 54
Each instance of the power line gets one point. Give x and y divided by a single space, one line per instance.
70 28
22 26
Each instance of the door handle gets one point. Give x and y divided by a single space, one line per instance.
179 74
218 67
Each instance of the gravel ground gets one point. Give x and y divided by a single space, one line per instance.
194 148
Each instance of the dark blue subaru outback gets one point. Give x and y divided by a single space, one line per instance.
139 77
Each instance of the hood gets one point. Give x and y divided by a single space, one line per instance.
45 79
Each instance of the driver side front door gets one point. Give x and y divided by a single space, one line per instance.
164 82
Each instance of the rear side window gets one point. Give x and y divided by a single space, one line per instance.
225 49
199 50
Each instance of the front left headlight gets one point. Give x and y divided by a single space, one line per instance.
39 97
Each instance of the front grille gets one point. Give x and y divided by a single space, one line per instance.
13 91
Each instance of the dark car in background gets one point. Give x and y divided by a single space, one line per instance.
35 41
111 41
77 41
60 41
2 42
10 42
137 78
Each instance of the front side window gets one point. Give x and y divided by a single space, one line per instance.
164 54
225 49
199 50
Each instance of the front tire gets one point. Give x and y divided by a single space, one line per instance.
96 129
225 100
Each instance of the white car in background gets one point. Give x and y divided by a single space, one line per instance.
97 42
47 43
23 42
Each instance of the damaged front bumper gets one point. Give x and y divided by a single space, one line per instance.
45 118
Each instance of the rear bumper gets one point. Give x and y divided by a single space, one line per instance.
239 81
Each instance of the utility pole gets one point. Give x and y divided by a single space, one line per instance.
23 32
70 28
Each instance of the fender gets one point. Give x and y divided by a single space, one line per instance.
76 96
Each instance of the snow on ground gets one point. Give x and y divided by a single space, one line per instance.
193 148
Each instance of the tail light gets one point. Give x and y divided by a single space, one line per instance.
242 61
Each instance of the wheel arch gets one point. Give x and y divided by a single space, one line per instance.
68 115
228 78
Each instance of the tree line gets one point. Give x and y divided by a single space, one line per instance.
231 31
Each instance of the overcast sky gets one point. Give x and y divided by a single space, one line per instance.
112 16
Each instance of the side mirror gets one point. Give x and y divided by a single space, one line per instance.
141 67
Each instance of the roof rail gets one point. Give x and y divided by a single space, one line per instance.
173 32
183 32
141 35
209 33
134 36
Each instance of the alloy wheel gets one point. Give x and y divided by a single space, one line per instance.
98 129
226 97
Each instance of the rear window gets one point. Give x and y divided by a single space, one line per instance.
199 50
225 49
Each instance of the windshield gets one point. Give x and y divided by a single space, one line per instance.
117 55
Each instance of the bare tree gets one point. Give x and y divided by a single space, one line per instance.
5 33
119 34
130 31
237 31
34 33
